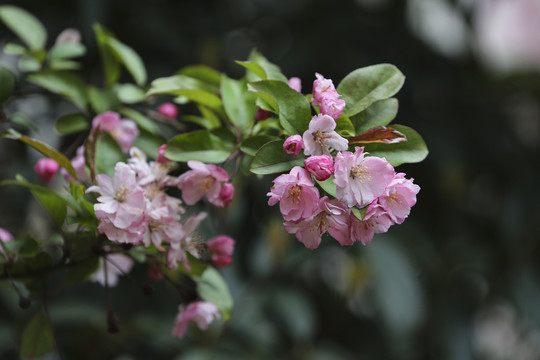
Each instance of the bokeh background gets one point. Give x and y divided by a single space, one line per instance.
458 280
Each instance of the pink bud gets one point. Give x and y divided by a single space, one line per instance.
168 110
221 247
162 159
293 145
46 169
320 166
295 84
262 114
226 194
108 121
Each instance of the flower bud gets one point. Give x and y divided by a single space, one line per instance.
262 114
46 169
226 194
320 166
221 247
295 84
293 145
162 159
168 110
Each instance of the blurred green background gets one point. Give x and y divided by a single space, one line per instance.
458 280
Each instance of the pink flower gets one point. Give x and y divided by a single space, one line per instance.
225 195
122 200
162 159
46 169
221 247
321 166
293 145
161 222
375 221
359 179
108 121
298 197
320 136
326 97
5 236
399 197
79 165
117 264
202 179
332 216
332 107
296 84
184 241
122 130
168 110
201 313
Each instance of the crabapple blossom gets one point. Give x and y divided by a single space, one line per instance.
202 179
399 197
122 200
225 195
45 169
326 97
296 84
201 313
359 179
321 166
221 247
332 216
185 242
162 159
320 136
5 236
298 197
110 267
375 221
124 131
168 110
293 145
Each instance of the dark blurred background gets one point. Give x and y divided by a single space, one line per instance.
458 280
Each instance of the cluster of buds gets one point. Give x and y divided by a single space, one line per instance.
363 183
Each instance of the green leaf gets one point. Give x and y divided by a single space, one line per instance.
64 65
28 64
50 200
364 86
193 89
129 93
381 112
344 126
142 121
66 51
203 73
271 159
42 148
271 70
149 143
359 213
7 83
199 145
239 104
103 100
252 144
111 64
61 82
71 123
24 121
328 186
25 25
411 151
131 60
254 68
293 109
210 116
25 247
211 287
108 153
14 49
37 338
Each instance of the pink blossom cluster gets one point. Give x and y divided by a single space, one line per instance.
363 183
133 207
326 97
201 313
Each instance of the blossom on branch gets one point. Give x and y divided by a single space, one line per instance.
201 313
203 179
320 136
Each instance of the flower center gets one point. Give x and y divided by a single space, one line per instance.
294 194
360 172
320 137
395 198
120 194
207 183
321 223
